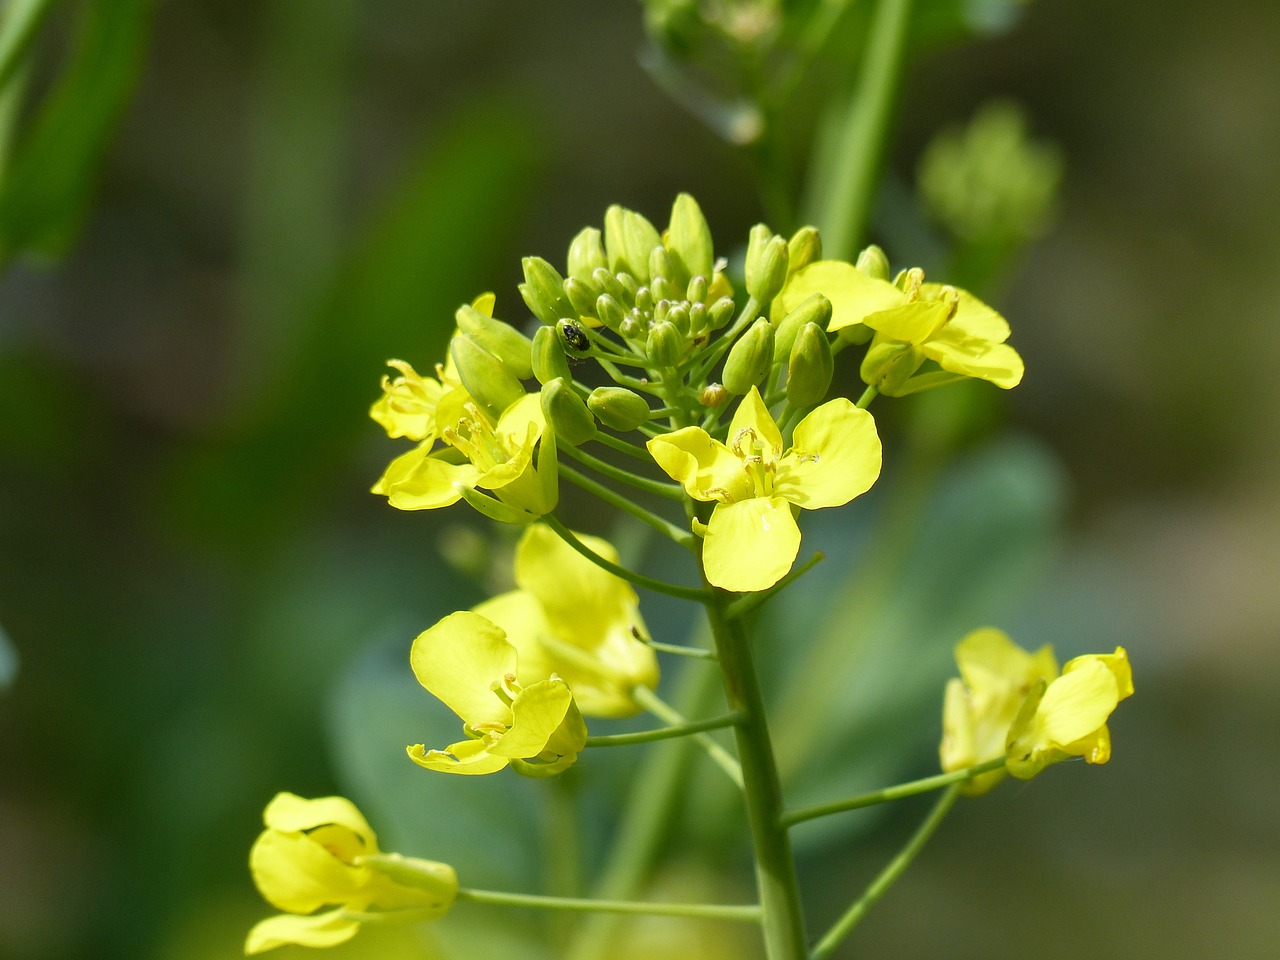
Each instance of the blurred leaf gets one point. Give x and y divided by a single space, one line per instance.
434 246
49 181
8 662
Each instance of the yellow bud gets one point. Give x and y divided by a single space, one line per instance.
814 309
688 240
586 254
889 365
565 411
490 383
810 367
497 338
628 240
713 395
766 267
873 263
547 356
582 297
543 291
804 247
665 344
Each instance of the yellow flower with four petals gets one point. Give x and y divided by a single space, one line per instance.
752 538
317 853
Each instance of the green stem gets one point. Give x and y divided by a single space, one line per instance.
665 527
725 341
776 880
747 913
680 650
844 199
868 395
750 601
672 491
897 792
669 714
842 927
630 449
666 733
639 579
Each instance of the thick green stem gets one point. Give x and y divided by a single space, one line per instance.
845 190
885 880
783 921
748 913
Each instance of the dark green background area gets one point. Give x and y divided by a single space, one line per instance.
235 212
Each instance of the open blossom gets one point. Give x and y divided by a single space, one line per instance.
752 537
317 853
572 619
1012 703
912 321
467 663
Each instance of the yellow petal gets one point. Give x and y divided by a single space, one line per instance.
322 930
1077 703
468 757
536 713
973 318
910 322
750 545
996 363
705 466
416 481
835 456
520 616
458 659
852 293
289 812
296 874
1117 663
752 415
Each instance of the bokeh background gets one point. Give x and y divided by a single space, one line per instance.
239 210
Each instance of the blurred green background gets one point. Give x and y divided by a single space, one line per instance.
219 218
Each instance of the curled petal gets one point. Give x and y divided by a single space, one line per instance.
750 545
705 466
290 812
468 757
537 712
321 930
955 352
297 874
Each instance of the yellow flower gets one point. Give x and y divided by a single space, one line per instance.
1068 717
752 538
913 321
316 853
1014 703
572 619
497 457
467 663
978 709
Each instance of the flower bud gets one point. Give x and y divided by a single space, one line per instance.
543 291
873 263
659 267
713 395
582 297
815 309
689 240
566 413
661 288
720 313
633 328
547 356
618 408
766 266
749 359
679 315
804 247
665 345
610 312
497 338
628 240
810 367
572 338
696 292
586 254
609 284
490 383
889 365
643 298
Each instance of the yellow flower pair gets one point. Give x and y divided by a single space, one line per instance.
1013 703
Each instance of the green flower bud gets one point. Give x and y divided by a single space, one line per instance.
565 412
889 365
814 309
766 266
609 284
697 319
720 313
586 254
497 338
810 367
689 240
543 291
749 359
679 315
873 263
633 328
804 247
618 408
548 356
630 286
665 344
610 312
713 395
489 382
659 265
572 338
661 289
643 299
582 297
697 289
628 240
